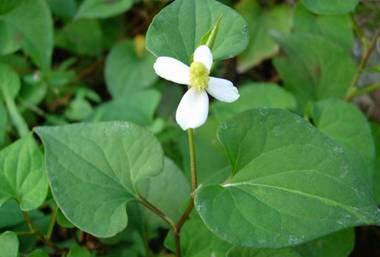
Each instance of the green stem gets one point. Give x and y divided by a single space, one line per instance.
16 117
35 231
351 92
52 222
364 90
194 185
193 167
157 211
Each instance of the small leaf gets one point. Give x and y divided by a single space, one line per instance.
78 251
83 37
10 214
289 184
314 71
262 23
103 8
94 168
255 95
9 244
126 71
138 108
38 253
330 7
336 28
23 21
178 29
198 241
10 82
22 174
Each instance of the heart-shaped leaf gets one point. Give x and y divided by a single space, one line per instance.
94 168
22 174
178 29
290 184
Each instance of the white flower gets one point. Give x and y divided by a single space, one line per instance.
193 109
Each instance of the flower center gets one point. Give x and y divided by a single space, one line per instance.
199 76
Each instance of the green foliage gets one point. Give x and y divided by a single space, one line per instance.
255 95
83 37
263 22
22 175
9 244
330 6
103 8
128 69
287 170
188 22
291 197
95 169
20 25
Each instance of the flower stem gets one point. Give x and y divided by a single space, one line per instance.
193 167
16 117
194 185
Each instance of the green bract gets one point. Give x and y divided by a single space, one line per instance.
94 168
178 29
289 184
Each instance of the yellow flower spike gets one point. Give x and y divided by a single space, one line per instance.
199 76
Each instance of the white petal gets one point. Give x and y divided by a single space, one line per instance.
173 70
192 111
223 90
203 55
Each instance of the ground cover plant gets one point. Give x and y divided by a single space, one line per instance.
189 128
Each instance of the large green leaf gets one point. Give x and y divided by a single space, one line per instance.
330 6
178 29
261 23
31 26
9 244
314 71
336 28
103 8
138 107
255 95
347 125
94 168
290 184
128 71
81 37
22 174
